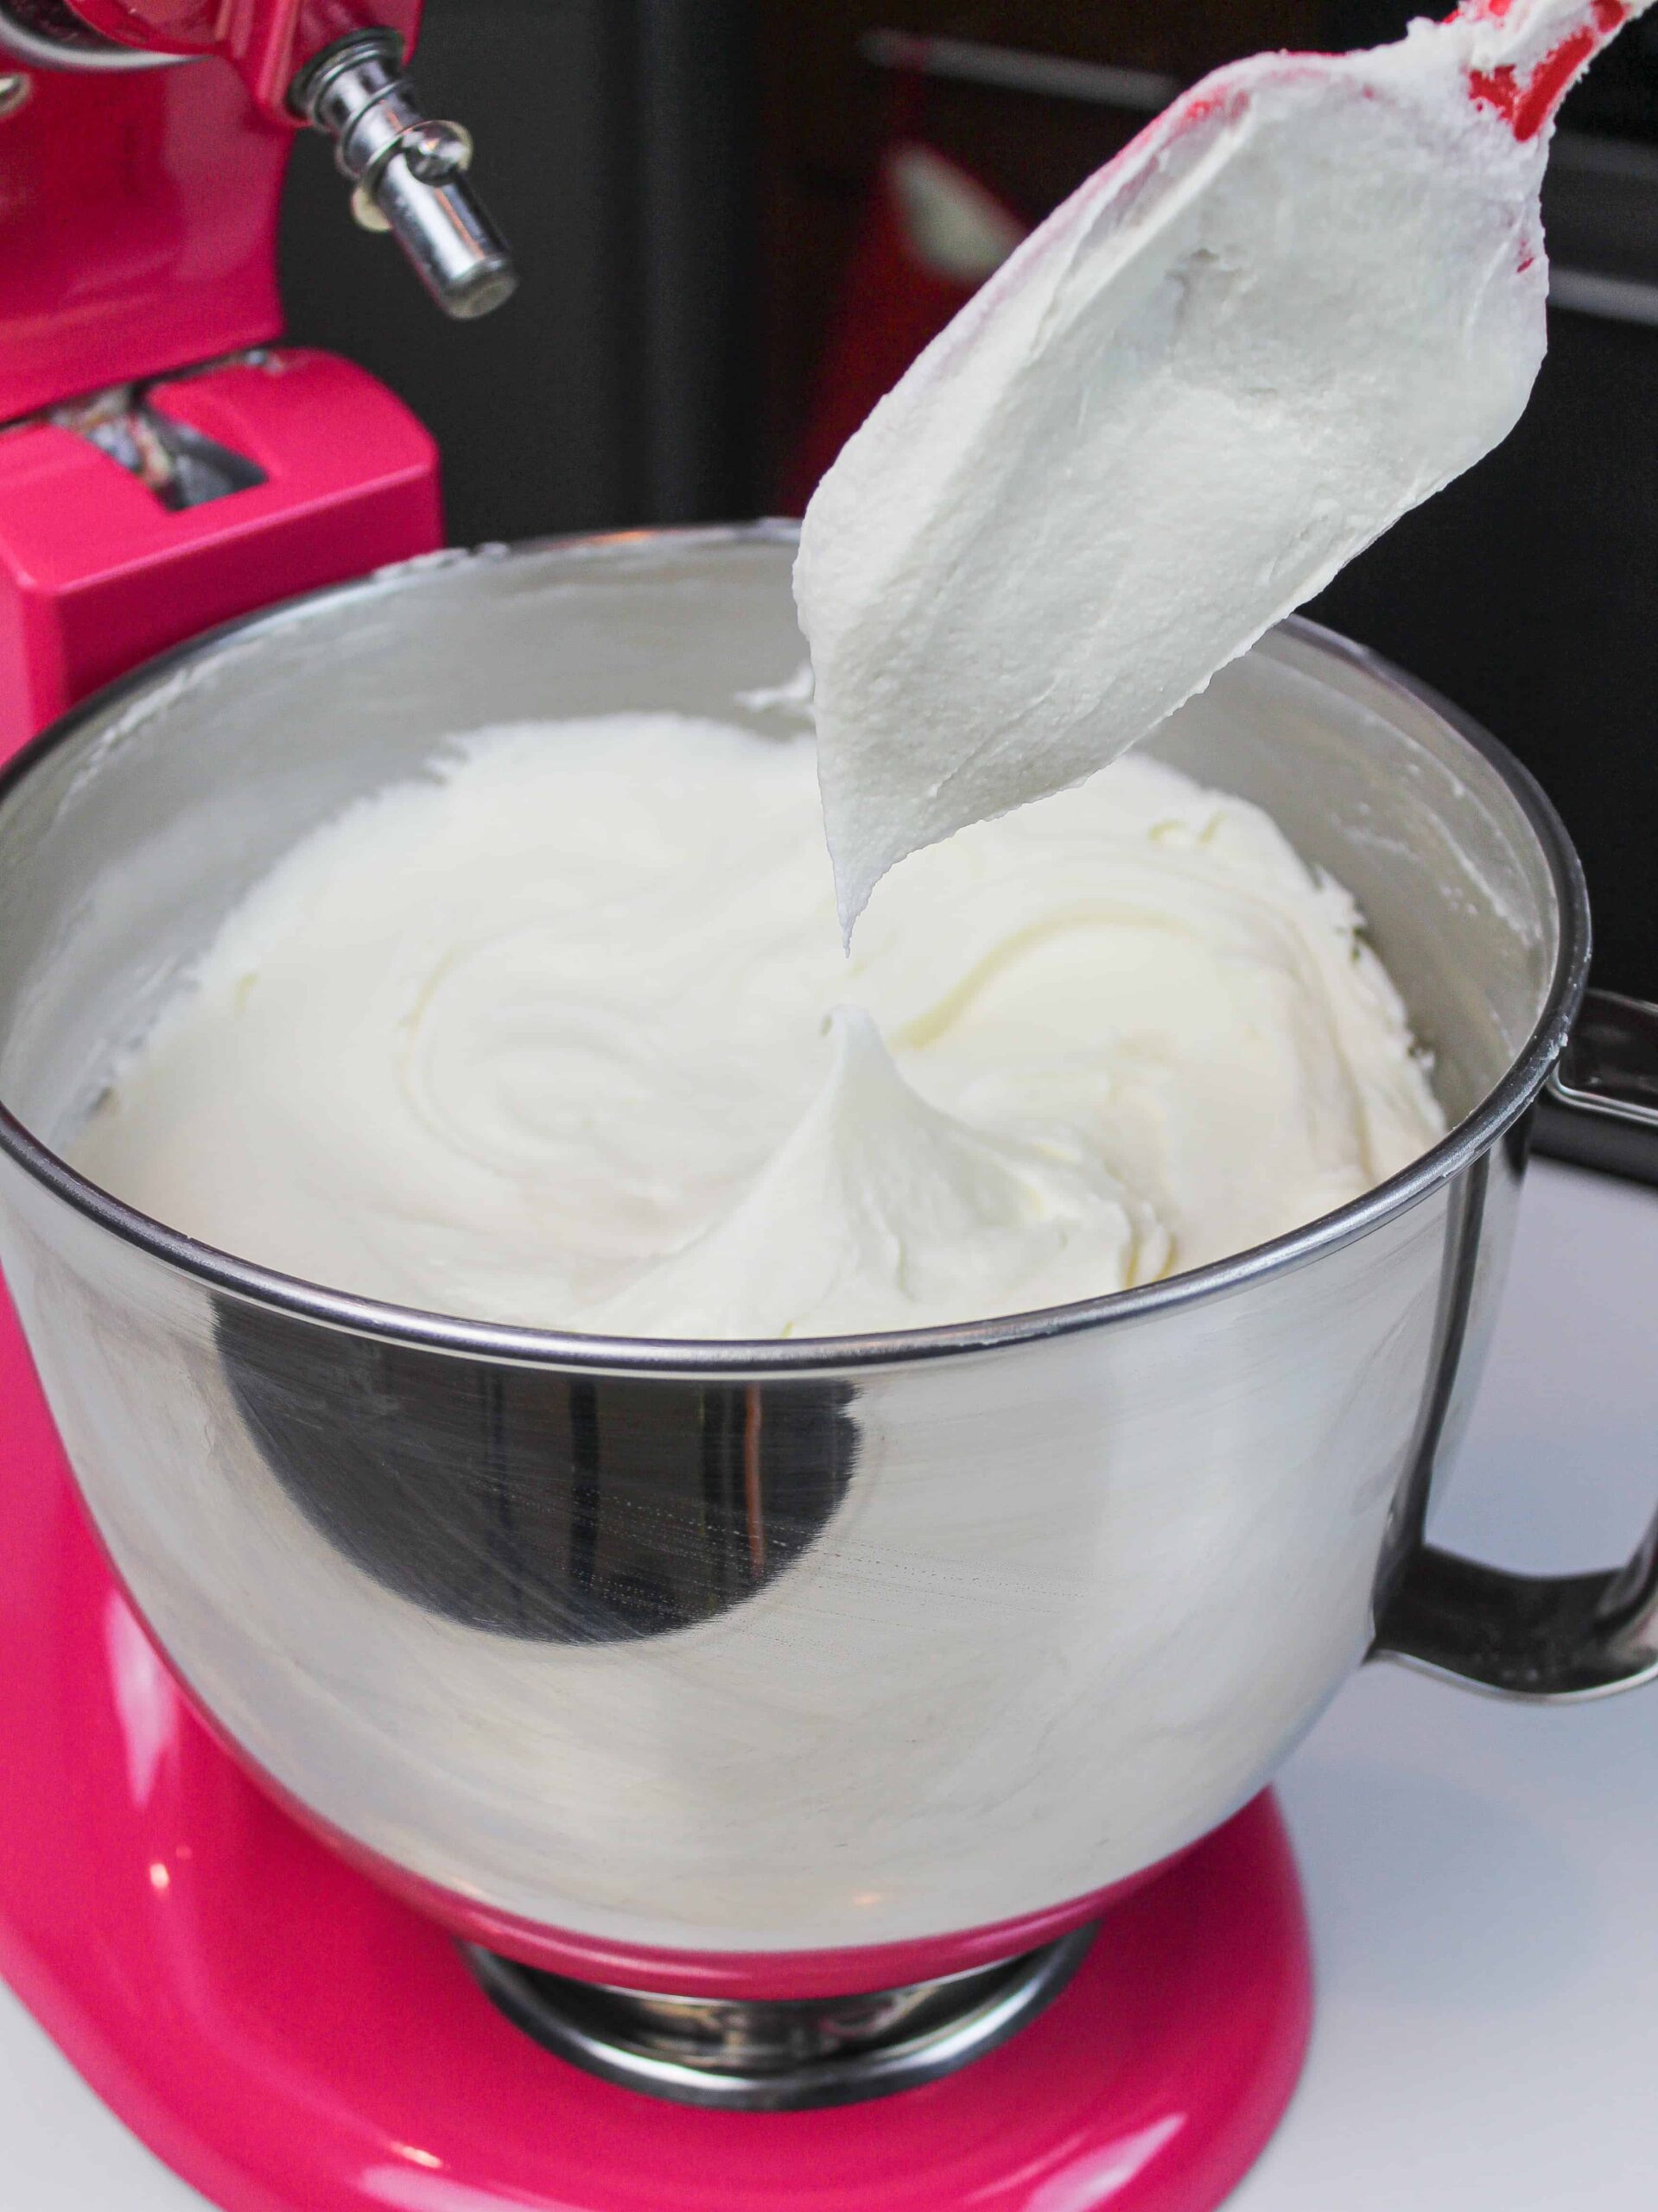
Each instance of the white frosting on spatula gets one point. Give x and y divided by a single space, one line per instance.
1305 298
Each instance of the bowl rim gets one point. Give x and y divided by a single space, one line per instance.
513 1344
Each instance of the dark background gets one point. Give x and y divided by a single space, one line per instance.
682 181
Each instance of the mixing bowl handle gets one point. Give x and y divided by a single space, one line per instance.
1568 1635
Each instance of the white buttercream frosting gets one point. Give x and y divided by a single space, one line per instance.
1302 301
562 1034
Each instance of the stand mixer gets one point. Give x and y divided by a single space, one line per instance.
607 1777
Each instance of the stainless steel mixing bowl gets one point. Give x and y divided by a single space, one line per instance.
745 1648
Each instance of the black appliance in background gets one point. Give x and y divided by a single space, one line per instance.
616 145
1527 591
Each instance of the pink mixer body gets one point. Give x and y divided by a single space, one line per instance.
267 43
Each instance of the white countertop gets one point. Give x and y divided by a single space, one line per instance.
1483 1878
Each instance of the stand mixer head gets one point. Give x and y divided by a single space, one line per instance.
144 147
304 61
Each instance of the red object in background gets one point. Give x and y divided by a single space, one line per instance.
931 235
96 575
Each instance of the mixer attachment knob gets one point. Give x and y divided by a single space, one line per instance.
407 171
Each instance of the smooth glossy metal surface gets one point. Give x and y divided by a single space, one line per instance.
1600 1108
789 2054
1570 1636
749 1647
406 170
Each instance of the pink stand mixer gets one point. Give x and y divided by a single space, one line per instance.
606 1777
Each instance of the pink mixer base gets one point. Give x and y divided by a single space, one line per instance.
290 2037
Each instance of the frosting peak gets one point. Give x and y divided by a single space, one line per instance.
1304 299
879 1211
